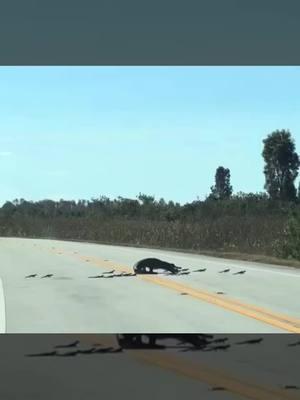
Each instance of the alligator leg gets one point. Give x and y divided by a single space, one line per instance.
152 340
138 340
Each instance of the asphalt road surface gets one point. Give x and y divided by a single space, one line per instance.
265 371
265 299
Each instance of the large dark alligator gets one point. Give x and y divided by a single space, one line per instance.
148 265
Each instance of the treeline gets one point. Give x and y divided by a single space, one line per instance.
146 207
248 223
266 223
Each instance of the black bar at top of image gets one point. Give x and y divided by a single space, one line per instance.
156 32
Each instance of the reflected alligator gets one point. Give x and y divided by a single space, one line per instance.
148 265
137 341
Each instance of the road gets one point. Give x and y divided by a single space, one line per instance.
255 372
263 300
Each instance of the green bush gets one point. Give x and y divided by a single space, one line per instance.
290 247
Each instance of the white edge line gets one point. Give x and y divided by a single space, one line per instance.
2 309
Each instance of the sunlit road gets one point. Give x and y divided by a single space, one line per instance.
256 372
264 299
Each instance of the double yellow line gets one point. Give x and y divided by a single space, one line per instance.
284 322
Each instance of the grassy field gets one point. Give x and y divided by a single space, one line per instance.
250 228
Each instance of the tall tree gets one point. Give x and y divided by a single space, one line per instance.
145 199
222 188
281 165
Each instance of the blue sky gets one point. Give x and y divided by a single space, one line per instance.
83 132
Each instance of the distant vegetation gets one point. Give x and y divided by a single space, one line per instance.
266 223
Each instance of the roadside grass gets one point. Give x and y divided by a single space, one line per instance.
256 238
257 258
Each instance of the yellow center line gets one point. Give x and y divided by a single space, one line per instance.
197 371
284 322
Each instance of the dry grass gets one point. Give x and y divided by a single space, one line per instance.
251 238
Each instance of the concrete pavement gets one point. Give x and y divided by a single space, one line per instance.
263 300
2 309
